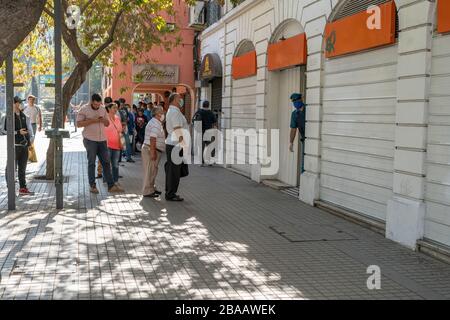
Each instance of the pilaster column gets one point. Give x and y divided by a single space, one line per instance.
406 210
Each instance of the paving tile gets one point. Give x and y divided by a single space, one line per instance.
218 244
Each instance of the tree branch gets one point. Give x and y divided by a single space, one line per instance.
86 5
49 12
110 38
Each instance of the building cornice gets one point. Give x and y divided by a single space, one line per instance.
229 16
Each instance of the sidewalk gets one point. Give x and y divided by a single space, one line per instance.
222 242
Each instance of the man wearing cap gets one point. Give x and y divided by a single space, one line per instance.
34 113
23 138
298 122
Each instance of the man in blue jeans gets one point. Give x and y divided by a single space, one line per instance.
93 118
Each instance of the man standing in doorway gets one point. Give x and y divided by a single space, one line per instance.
93 118
298 122
175 124
209 121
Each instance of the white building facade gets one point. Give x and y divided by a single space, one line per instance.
378 120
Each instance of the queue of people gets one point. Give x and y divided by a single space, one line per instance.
110 128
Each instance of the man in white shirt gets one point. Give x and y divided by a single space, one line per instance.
34 113
152 150
175 124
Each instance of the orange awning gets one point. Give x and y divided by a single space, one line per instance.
352 34
443 16
287 53
244 66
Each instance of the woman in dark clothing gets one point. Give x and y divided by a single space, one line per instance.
141 123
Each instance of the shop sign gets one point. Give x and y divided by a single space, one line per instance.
156 73
443 16
211 67
244 66
287 53
356 33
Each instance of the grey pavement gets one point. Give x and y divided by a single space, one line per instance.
231 238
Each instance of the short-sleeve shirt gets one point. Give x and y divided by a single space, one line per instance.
95 131
174 119
154 129
113 132
32 113
298 120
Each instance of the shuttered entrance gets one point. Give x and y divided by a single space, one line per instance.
359 99
437 219
216 97
289 83
358 126
243 116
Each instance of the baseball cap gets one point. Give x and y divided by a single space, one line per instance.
296 96
17 99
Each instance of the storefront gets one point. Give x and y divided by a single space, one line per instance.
211 77
243 106
358 117
375 80
437 217
286 57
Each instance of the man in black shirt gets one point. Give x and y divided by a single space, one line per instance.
209 121
23 138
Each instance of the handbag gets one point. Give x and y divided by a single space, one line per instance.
122 141
32 154
184 172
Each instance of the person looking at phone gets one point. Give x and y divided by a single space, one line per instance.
94 119
23 138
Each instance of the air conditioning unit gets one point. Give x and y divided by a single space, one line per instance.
197 16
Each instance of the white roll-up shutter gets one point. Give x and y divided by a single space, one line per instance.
359 100
437 219
243 116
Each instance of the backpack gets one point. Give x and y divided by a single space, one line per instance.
197 116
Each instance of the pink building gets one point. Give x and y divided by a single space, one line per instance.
166 71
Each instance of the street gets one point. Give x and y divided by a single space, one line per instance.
231 238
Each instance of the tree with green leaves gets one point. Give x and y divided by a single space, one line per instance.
95 28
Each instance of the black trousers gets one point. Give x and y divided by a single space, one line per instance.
21 164
173 173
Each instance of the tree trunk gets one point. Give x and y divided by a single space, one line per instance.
17 19
72 85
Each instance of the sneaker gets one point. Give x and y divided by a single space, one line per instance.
94 190
158 192
176 198
115 189
152 195
25 192
131 160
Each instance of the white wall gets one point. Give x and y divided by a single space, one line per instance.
412 165
437 195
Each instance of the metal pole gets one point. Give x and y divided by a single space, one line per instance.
11 160
58 107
